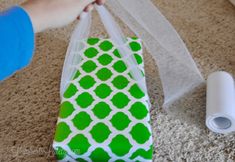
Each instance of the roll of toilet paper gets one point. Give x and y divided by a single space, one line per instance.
220 112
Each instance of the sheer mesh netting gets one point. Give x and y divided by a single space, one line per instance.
177 69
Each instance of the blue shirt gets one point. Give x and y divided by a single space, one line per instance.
16 41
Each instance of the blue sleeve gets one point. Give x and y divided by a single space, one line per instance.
16 41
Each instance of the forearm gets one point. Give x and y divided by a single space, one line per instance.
17 28
46 14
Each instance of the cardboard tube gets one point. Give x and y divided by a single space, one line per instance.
220 112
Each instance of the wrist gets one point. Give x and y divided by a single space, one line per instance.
33 11
46 14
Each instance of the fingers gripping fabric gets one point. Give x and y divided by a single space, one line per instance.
104 115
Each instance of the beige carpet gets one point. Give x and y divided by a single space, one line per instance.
30 99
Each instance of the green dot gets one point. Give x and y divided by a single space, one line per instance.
103 91
60 153
120 145
100 132
101 110
89 66
93 41
81 160
135 46
66 109
91 52
76 75
136 92
120 100
99 155
105 59
82 120
120 160
116 53
142 153
71 91
134 38
120 66
138 59
106 46
87 82
79 144
120 82
62 132
142 72
140 133
104 74
120 121
84 100
139 110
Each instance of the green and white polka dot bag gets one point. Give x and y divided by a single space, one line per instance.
104 114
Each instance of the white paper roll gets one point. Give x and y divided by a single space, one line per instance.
220 112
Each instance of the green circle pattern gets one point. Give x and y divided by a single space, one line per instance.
107 79
101 110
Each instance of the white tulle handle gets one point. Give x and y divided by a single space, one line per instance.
72 57
119 39
178 71
81 32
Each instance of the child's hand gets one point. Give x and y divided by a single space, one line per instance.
46 14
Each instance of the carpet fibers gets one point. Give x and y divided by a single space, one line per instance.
29 100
